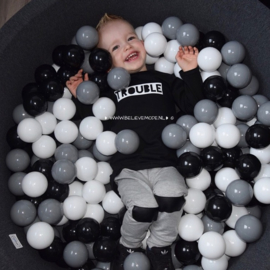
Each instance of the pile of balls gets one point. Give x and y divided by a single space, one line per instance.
60 167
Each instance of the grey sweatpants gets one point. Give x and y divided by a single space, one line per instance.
137 188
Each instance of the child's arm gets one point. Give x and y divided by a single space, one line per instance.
187 58
75 80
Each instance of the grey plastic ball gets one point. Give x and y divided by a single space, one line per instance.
75 254
249 228
244 107
103 266
87 37
223 70
187 35
118 78
239 76
175 261
188 147
137 260
50 211
212 226
17 160
260 99
127 141
170 26
66 151
19 114
233 52
263 113
206 111
174 136
243 129
81 143
64 171
87 92
239 192
186 122
23 212
192 267
15 183
252 88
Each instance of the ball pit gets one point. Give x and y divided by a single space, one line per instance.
36 22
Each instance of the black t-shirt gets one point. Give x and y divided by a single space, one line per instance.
147 106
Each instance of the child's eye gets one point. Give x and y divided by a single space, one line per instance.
115 48
130 38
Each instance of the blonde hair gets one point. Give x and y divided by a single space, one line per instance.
106 18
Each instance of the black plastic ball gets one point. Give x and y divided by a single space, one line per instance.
214 88
57 191
29 88
69 231
52 89
87 230
100 78
189 164
218 208
100 60
65 72
73 56
44 73
43 166
231 155
258 136
228 97
104 249
14 140
35 103
110 227
248 167
214 39
213 158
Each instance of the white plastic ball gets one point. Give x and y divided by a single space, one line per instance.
237 212
201 181
64 109
234 245
91 127
34 184
262 154
93 191
105 143
220 264
44 147
227 136
94 211
225 116
149 28
75 188
29 130
264 172
171 50
224 177
201 135
165 66
66 131
209 59
47 121
155 44
138 31
86 168
74 207
195 201
112 203
104 108
212 245
63 221
104 172
190 227
262 190
40 235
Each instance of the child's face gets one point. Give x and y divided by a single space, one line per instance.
127 51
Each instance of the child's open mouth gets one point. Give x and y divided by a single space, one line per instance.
132 56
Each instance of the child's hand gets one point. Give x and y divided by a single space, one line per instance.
187 57
75 80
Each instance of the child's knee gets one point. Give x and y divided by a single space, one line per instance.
170 204
145 214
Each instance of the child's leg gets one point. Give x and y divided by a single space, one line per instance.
142 208
169 189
